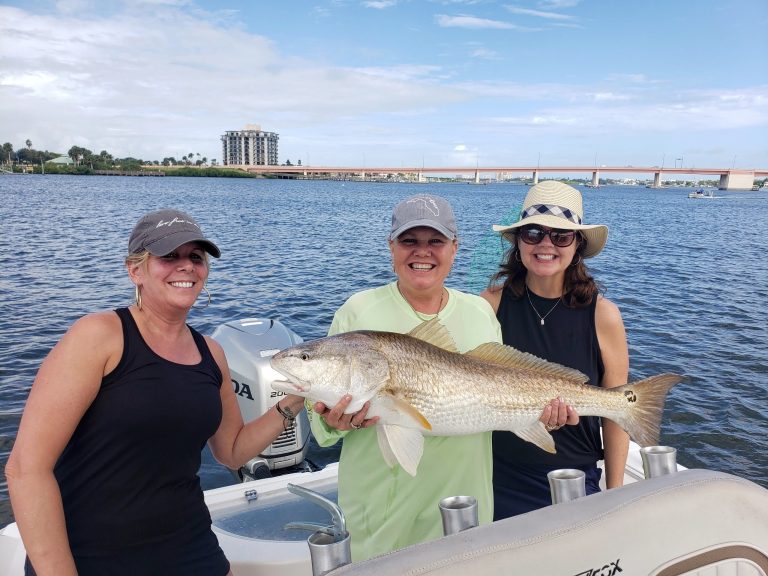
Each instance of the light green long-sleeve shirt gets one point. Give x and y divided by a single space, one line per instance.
386 508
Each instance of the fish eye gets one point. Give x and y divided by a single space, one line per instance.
304 356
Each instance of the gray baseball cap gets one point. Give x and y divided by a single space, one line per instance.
424 210
162 231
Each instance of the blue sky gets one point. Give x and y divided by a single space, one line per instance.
394 82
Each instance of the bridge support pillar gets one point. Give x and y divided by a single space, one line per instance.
737 180
657 180
595 179
477 176
420 177
535 177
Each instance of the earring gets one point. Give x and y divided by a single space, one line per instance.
517 256
208 303
137 296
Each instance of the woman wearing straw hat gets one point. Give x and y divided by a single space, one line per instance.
548 304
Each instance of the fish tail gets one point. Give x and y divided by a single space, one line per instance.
642 419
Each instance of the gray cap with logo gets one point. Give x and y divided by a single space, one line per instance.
162 231
424 210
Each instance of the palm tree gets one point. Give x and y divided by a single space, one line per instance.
29 144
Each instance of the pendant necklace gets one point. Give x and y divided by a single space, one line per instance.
541 318
418 314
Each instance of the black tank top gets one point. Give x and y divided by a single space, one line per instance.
128 476
568 337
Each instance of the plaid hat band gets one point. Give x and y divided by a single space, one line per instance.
551 210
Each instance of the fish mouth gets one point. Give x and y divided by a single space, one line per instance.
290 387
289 383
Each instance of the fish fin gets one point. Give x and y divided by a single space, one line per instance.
401 444
645 400
537 434
384 448
435 333
401 407
514 358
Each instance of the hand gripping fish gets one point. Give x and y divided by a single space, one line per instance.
419 384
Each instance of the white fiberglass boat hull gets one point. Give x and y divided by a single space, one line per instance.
691 523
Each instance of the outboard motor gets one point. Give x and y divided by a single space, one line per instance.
249 345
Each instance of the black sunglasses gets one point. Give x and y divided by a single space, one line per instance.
533 234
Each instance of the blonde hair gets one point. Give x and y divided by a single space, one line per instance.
137 259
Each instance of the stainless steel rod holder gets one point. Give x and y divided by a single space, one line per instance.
458 513
329 551
566 484
658 461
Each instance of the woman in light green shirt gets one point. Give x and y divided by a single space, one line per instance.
386 508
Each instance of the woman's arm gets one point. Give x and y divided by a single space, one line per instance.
613 346
65 386
234 443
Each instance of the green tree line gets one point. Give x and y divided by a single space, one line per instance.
85 161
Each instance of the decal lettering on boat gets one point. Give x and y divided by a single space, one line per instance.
242 389
607 570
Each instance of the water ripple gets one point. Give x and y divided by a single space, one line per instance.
690 278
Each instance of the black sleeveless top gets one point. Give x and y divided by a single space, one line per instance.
128 476
568 337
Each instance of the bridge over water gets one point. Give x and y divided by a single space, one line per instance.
730 178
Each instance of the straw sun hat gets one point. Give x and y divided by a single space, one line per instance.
557 205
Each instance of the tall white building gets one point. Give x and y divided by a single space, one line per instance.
251 145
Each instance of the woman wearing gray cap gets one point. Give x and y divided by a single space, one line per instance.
103 474
385 508
549 305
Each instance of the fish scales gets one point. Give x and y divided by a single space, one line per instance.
458 394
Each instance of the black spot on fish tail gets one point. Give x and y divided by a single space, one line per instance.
645 407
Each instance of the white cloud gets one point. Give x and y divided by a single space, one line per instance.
538 13
464 21
483 53
380 4
558 4
163 81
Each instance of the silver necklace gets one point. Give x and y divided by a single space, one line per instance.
528 293
418 314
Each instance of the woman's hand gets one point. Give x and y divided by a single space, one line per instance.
557 414
336 418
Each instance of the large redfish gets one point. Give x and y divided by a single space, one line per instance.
419 384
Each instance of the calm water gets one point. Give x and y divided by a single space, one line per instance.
690 277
